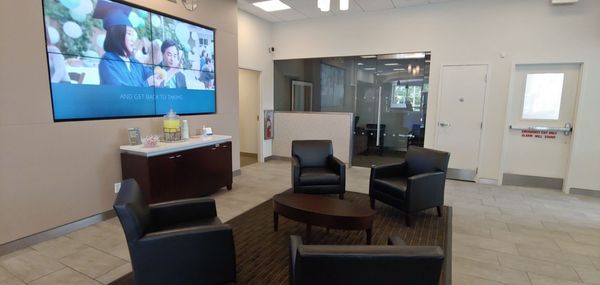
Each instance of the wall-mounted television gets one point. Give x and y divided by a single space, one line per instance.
109 59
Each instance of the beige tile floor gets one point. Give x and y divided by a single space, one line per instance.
502 235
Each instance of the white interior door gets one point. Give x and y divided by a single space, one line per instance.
543 99
249 105
460 117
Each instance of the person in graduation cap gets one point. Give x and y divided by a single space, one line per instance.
118 65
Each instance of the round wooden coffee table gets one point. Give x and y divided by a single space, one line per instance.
316 210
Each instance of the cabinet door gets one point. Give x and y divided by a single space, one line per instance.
162 177
190 173
220 157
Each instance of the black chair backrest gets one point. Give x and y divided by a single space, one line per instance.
325 264
422 160
312 153
132 209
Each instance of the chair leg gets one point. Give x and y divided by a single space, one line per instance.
408 220
341 195
439 210
372 203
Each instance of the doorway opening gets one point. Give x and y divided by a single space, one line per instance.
249 97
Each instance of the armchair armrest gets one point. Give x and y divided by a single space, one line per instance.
387 170
425 190
295 242
336 164
295 170
181 247
173 212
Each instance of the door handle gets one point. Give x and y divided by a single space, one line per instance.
443 124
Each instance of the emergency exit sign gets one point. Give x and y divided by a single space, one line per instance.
538 134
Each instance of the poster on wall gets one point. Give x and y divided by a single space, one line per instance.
269 124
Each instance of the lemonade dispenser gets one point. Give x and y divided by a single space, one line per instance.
172 127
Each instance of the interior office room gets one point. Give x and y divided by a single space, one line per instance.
496 98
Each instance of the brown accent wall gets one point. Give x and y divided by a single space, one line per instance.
51 173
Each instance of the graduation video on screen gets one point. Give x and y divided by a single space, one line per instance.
107 59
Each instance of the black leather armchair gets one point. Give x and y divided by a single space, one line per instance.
176 242
315 170
358 264
414 185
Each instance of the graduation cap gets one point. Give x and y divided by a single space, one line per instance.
112 14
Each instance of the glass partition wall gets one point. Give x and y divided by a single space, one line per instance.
386 93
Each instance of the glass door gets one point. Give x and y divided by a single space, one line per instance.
391 92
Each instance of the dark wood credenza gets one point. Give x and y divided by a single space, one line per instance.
171 171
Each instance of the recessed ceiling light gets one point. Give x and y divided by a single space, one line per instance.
360 63
271 5
399 69
390 64
368 56
323 5
369 68
344 5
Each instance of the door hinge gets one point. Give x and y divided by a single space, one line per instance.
481 125
485 78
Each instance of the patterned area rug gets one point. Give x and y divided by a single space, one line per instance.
262 254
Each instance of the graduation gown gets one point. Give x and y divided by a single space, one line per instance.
113 71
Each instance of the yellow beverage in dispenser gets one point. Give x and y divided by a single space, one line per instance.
172 127
171 124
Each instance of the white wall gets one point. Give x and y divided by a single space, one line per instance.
475 31
254 39
290 126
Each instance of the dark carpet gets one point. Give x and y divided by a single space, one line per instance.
262 254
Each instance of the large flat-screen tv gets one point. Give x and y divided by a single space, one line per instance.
109 59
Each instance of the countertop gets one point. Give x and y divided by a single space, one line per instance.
164 147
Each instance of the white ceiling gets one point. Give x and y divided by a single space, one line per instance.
305 9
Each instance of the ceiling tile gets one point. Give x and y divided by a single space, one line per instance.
406 3
375 5
304 9
312 11
247 7
289 15
352 9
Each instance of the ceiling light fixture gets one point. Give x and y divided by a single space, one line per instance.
324 5
399 69
390 64
360 63
344 5
369 68
271 5
368 56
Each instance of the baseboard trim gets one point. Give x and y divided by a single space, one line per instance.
247 154
277 157
461 174
27 241
586 192
532 181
